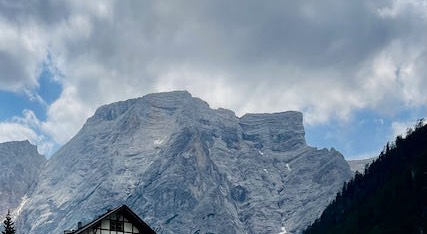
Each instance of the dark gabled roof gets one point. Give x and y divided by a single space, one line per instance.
126 211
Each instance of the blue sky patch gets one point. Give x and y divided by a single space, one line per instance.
364 136
13 104
48 90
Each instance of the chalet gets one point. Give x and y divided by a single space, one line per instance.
121 220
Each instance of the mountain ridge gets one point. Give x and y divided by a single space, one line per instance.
359 165
176 161
20 164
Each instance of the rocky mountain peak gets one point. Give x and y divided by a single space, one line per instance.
168 102
20 164
186 168
19 146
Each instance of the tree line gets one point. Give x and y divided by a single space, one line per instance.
389 197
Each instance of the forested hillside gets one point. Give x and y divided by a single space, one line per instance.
390 197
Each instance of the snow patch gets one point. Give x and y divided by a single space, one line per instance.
283 230
260 152
287 166
158 141
19 208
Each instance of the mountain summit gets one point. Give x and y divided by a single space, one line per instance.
187 168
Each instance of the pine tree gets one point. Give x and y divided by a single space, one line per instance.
8 225
390 197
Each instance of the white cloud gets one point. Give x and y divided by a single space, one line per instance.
28 119
16 132
22 49
399 8
26 127
328 59
65 116
220 94
401 128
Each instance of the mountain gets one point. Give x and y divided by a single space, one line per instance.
359 165
20 165
186 168
390 197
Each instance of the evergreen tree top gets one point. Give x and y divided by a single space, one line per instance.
8 225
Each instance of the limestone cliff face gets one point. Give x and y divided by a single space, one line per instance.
187 168
20 165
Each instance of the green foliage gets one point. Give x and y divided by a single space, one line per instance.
391 195
8 225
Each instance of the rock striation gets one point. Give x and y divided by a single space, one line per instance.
187 168
20 165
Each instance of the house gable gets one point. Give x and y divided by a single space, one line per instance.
121 220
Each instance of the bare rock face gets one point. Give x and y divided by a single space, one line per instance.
20 165
186 168
360 164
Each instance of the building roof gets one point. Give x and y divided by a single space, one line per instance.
125 210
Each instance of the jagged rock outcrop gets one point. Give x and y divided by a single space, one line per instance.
20 165
186 168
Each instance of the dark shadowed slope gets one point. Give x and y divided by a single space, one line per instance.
390 197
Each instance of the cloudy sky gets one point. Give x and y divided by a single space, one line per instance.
356 69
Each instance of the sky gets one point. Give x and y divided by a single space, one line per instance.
356 69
